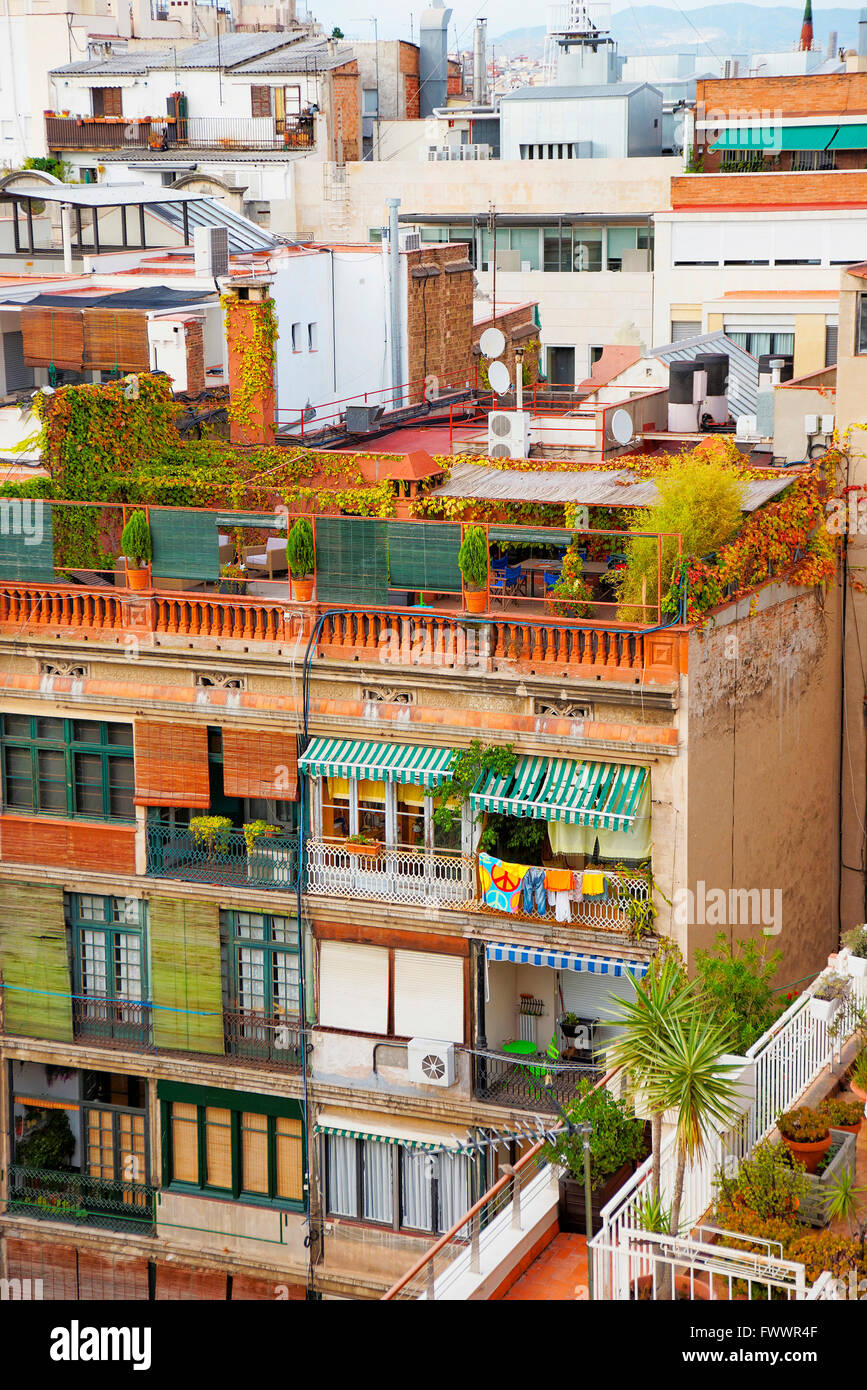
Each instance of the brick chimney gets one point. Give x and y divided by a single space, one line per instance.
250 335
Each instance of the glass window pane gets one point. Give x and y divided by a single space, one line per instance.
51 764
454 1189
342 1185
88 784
185 1143
285 983
50 728
290 1159
557 248
250 925
251 979
283 929
119 734
121 788
86 731
254 1153
17 725
587 248
415 1189
526 241
91 908
17 767
621 239
378 1182
218 1147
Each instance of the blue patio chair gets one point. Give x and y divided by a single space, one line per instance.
550 577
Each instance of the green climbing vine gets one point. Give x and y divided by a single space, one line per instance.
256 351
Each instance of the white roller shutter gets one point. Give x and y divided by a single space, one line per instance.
746 241
845 240
695 243
428 996
595 997
353 987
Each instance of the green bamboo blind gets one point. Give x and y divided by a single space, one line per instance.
185 973
424 556
352 561
184 544
34 960
26 539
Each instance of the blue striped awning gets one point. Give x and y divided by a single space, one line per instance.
605 795
368 761
566 960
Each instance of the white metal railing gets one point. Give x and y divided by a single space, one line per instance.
640 1265
788 1058
828 1289
395 875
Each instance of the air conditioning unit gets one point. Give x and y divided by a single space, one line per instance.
211 251
431 1063
508 434
410 241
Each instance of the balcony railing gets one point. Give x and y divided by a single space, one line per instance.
527 1085
168 133
612 915
112 1023
264 1038
395 875
173 852
81 1199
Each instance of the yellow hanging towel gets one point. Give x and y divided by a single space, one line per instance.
592 883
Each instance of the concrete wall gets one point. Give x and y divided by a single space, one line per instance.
792 403
616 126
763 737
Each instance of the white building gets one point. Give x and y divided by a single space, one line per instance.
613 121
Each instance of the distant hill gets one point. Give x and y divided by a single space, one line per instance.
721 29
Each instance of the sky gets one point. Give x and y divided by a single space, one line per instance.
393 16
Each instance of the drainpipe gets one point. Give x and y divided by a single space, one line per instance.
394 280
66 234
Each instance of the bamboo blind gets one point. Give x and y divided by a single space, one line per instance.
53 336
185 975
185 1142
171 765
116 338
177 1283
260 763
35 962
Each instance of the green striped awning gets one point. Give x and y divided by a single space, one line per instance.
605 795
391 762
382 1129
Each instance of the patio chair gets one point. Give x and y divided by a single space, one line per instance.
226 549
508 581
270 562
550 577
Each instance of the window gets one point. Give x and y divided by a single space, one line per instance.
67 767
762 344
109 959
370 101
684 328
107 101
561 366
830 344
557 248
232 1144
312 337
809 160
394 1185
391 992
861 326
595 354
296 337
264 975
260 101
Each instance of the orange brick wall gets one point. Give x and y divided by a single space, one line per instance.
506 323
195 351
67 844
831 188
440 316
791 96
408 67
346 101
455 82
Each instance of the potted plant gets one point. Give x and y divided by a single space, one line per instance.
233 579
365 846
616 1146
254 829
855 942
211 832
135 545
301 559
827 999
843 1113
807 1133
473 564
858 1076
769 1183
569 1024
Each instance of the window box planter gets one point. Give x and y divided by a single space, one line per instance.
371 851
841 1156
824 1010
857 966
570 1204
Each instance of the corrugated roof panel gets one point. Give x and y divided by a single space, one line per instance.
244 235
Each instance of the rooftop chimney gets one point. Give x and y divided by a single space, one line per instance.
862 33
831 50
480 73
807 28
433 58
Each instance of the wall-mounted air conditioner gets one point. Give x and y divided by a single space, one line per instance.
410 241
211 251
508 434
431 1063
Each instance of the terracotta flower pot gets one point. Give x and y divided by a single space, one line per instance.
363 851
809 1154
136 578
857 1091
477 600
850 1129
302 589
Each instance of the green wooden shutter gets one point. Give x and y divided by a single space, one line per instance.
424 556
184 544
34 959
185 972
352 561
26 539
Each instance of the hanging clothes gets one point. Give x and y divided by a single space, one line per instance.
534 892
501 883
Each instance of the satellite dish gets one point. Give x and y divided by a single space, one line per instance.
621 426
492 342
498 376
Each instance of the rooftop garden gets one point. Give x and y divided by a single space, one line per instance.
118 443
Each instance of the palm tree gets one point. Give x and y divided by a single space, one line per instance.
690 1079
663 996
